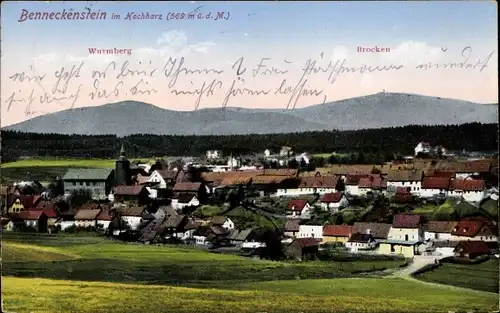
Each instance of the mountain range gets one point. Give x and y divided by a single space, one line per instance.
372 111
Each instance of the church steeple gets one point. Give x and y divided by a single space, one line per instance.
122 152
122 169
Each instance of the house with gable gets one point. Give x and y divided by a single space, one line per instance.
292 227
298 208
163 178
222 221
360 242
379 231
472 190
351 183
438 230
411 179
310 185
310 231
98 180
337 233
407 227
36 219
86 217
475 229
372 183
434 186
333 202
133 195
471 249
184 200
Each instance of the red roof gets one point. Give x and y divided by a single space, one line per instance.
318 182
473 247
51 213
472 226
307 242
353 179
128 190
476 166
430 182
297 205
467 184
406 221
186 186
403 198
104 215
372 182
441 173
333 197
30 215
337 230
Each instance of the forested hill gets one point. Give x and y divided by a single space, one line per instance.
471 137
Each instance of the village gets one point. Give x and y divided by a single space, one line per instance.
219 204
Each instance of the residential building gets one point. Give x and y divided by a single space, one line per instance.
292 227
36 219
434 186
87 218
310 185
471 190
438 230
475 229
310 231
411 179
337 233
471 249
372 183
407 249
303 249
379 231
185 200
132 195
222 221
360 242
98 180
300 209
407 227
131 215
334 201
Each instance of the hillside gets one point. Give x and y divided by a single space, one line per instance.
373 111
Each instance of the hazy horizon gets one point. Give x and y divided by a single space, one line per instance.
416 42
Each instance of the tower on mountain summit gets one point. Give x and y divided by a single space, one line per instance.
122 169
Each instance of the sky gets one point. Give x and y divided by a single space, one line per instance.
187 64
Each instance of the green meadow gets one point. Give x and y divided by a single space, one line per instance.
52 273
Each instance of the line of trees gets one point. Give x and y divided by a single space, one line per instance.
396 140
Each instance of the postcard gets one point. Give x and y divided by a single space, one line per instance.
267 156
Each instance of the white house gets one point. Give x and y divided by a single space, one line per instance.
185 200
132 216
298 209
214 154
333 201
359 241
472 190
422 148
86 218
310 231
311 185
351 183
407 227
103 219
157 178
444 248
233 163
475 229
438 230
372 183
411 179
433 185
223 221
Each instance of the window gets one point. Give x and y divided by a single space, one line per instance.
392 248
406 237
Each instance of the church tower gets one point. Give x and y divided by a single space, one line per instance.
122 169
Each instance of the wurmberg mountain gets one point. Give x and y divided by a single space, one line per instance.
373 111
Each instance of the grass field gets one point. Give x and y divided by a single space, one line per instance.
89 274
483 276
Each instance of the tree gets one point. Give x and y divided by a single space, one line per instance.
319 161
332 159
274 247
293 164
79 197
